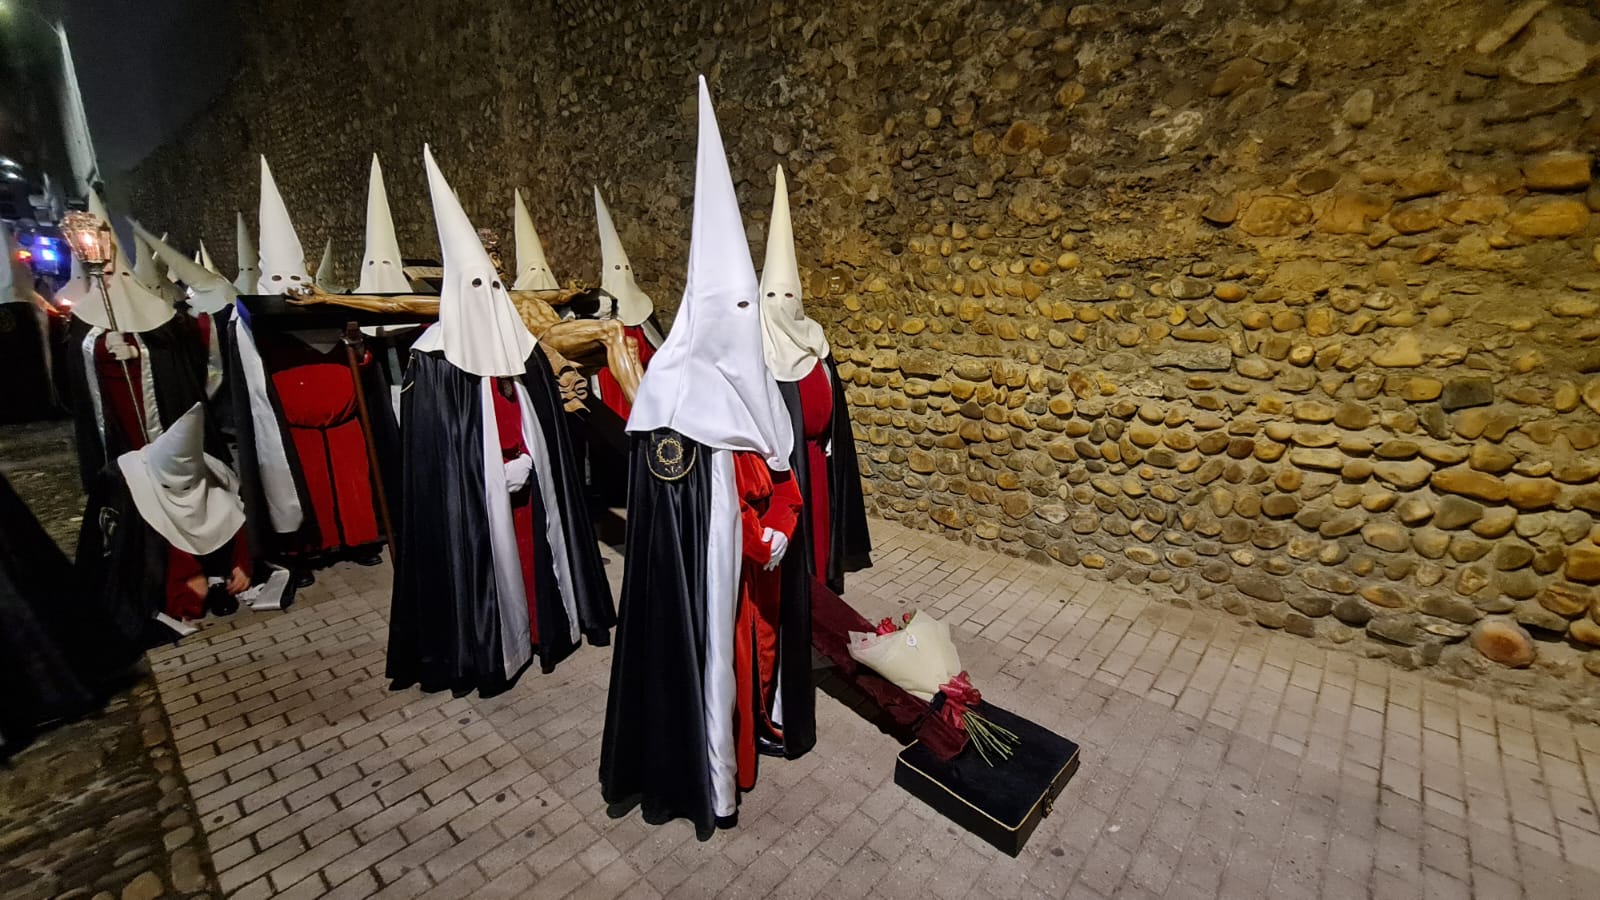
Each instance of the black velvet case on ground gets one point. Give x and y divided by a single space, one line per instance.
1002 803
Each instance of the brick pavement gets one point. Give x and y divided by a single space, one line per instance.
1219 760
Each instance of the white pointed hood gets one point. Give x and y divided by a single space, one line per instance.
479 327
208 291
249 260
533 271
793 343
204 259
325 268
283 260
616 273
137 308
709 381
188 497
381 271
144 264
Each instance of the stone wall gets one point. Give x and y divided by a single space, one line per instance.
1285 307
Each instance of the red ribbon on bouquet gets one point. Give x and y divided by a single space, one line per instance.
959 696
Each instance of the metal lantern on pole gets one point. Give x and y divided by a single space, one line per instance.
92 243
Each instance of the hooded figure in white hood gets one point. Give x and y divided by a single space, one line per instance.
533 271
634 309
381 270
164 532
315 476
249 261
497 559
137 366
711 507
210 301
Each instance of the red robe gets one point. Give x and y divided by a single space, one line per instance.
508 422
183 603
319 405
816 410
766 500
611 392
121 396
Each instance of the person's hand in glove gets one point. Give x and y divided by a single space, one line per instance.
518 473
778 544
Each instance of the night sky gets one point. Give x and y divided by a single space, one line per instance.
146 66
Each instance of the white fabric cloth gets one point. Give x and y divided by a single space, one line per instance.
272 457
381 271
249 260
188 497
533 270
616 273
709 381
510 592
793 343
511 595
478 325
719 684
283 260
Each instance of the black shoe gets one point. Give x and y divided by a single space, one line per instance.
304 578
370 559
769 746
219 602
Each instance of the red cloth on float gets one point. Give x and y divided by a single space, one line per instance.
816 414
183 603
611 392
508 422
319 406
766 500
121 396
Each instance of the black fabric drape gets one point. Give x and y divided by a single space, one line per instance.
444 626
122 562
852 544
24 363
590 588
794 609
176 362
58 656
653 753
265 542
444 630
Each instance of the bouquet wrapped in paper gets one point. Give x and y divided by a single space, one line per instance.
918 656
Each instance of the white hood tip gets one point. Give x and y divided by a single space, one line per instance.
479 326
533 270
793 343
283 259
634 306
382 271
709 381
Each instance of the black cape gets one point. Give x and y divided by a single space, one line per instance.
265 541
850 550
60 650
444 630
177 365
654 750
25 363
122 561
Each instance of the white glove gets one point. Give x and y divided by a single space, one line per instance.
518 471
778 544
